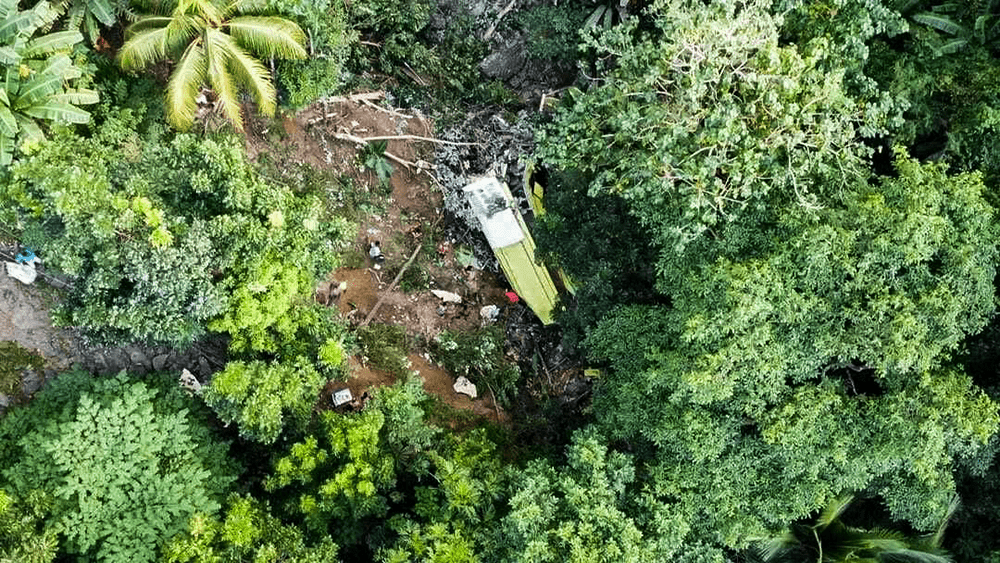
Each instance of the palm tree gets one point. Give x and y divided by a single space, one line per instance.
208 41
829 540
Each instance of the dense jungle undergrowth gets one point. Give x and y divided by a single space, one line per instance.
772 225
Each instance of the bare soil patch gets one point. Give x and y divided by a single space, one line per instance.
410 218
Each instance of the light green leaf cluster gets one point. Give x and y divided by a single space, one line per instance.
339 475
248 532
127 226
23 538
581 512
126 468
261 397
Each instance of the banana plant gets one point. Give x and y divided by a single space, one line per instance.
35 74
89 15
963 23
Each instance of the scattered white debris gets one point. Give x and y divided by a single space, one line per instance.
24 273
341 397
447 296
489 313
189 382
464 386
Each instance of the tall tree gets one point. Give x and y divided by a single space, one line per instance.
210 42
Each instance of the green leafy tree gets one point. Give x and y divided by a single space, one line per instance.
124 227
248 532
583 511
261 398
774 383
211 42
340 478
125 463
36 74
339 475
709 128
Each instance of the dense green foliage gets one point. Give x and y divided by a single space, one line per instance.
258 397
122 465
248 532
124 227
779 218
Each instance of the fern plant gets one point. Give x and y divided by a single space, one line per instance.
126 464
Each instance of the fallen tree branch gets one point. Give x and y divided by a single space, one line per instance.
386 110
359 97
504 12
371 314
415 138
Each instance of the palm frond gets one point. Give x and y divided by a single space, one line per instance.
90 26
953 45
182 89
204 9
771 548
76 16
16 23
269 36
143 49
61 66
9 56
6 150
52 42
146 22
29 129
832 511
7 7
218 55
250 74
914 556
244 7
37 89
938 537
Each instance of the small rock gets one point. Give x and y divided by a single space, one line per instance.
31 383
189 382
138 358
206 370
4 401
441 310
447 296
160 362
466 387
